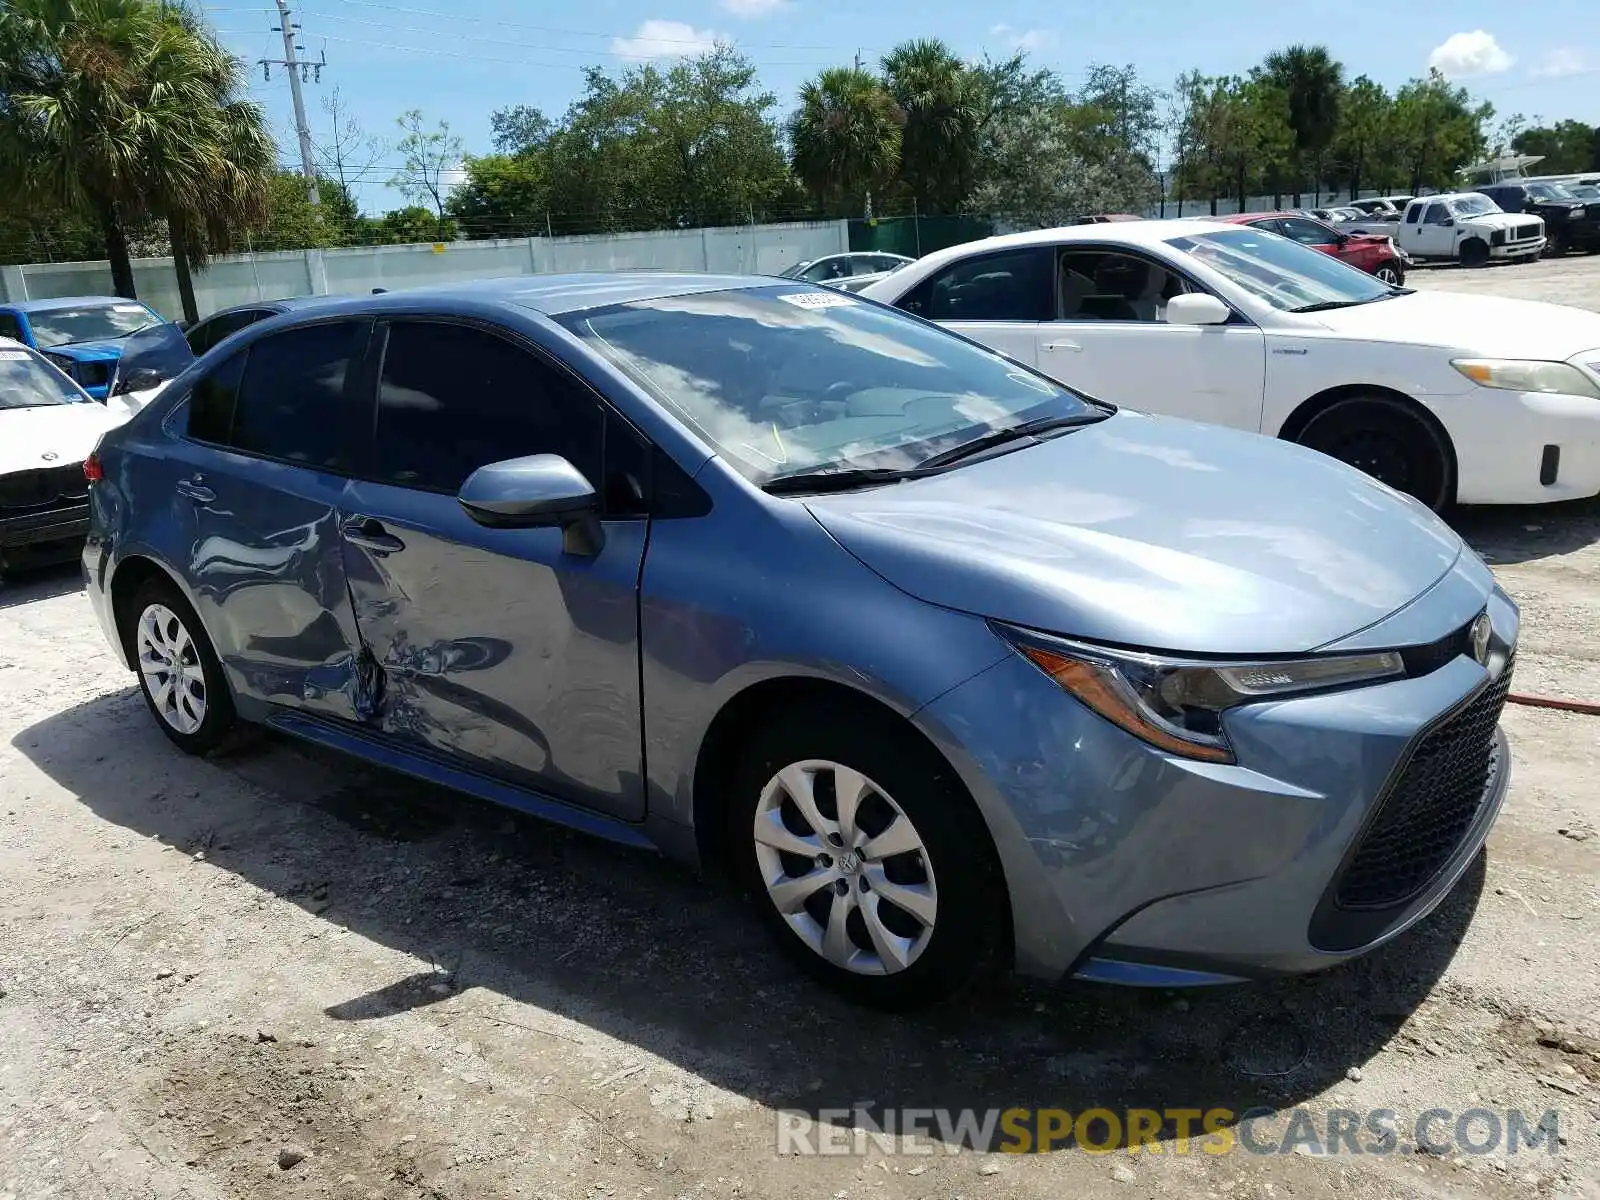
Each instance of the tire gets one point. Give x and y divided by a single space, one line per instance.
1386 439
1557 246
952 927
1390 272
168 646
1474 252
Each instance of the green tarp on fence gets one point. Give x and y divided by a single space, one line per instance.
916 236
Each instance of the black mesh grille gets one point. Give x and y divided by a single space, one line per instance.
1429 809
1526 231
47 488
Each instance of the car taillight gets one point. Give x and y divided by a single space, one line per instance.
91 469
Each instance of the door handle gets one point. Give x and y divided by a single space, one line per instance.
194 487
369 533
1061 346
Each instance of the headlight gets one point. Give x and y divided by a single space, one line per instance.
1176 704
1526 375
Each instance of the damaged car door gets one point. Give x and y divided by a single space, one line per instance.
257 485
511 651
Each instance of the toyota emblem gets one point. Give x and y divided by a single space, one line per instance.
1480 639
49 456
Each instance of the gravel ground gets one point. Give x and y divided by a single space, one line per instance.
280 974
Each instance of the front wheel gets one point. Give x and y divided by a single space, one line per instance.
1386 439
1474 252
867 859
179 673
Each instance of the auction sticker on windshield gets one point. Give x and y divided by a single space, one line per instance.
816 299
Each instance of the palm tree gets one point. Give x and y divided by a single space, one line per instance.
1313 83
943 104
122 108
69 114
211 176
845 138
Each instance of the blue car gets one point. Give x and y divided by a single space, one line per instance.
83 335
955 669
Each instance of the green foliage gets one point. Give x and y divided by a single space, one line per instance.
1568 147
846 139
410 225
693 144
428 155
294 223
942 100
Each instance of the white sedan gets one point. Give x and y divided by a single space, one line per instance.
48 426
1452 398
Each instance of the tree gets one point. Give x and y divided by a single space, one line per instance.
1437 131
294 223
942 100
121 109
428 154
348 154
1120 112
1312 84
413 224
845 138
1364 126
503 196
519 129
211 178
1568 147
1184 103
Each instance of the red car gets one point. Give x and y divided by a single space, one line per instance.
1374 253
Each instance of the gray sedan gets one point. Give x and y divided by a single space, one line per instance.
954 669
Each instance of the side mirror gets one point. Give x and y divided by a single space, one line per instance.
539 491
140 379
1197 308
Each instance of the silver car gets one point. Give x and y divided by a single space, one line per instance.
954 669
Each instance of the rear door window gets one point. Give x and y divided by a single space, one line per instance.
291 400
1010 285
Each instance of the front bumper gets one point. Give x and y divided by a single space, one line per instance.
1128 865
1522 447
1519 249
44 536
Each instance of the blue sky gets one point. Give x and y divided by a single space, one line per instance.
461 59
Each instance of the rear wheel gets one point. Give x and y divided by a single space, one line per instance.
1474 252
179 673
1386 439
867 859
1390 273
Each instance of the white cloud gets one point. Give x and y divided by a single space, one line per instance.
1475 53
755 8
1028 40
452 177
664 39
1561 62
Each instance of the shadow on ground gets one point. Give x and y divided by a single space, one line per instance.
1524 533
45 583
637 948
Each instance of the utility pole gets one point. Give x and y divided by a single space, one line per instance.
298 72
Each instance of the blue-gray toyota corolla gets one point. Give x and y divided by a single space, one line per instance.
955 669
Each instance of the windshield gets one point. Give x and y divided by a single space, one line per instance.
89 323
1584 191
28 381
1550 191
1286 274
793 272
1472 206
787 379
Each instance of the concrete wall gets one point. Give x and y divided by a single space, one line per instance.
238 279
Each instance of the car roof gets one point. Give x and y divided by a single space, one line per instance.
282 304
65 302
553 295
1137 233
1241 218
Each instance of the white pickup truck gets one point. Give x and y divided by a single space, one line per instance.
1468 228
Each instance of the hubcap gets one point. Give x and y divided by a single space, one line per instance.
170 664
1388 275
845 867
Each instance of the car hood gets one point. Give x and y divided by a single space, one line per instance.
67 431
1492 326
1153 532
101 351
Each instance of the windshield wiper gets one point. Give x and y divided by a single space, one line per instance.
837 479
1327 305
1010 433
